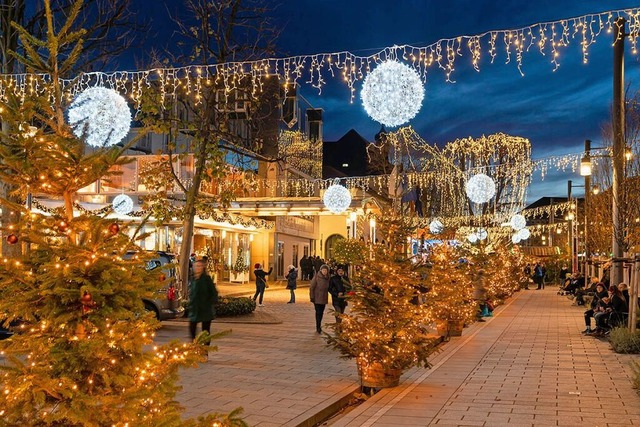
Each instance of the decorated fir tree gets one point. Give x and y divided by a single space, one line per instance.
240 265
385 328
83 354
451 286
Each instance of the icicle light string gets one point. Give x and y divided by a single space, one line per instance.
548 38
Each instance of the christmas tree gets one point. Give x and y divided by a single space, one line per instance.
84 352
450 285
240 265
385 328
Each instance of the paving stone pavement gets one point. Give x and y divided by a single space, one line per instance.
527 366
281 374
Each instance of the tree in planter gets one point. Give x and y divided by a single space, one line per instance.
240 265
450 283
385 329
80 358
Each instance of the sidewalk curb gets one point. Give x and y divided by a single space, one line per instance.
314 416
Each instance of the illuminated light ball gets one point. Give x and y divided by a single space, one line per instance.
12 239
472 237
436 226
518 222
482 234
337 198
101 116
122 204
480 188
524 234
392 93
515 239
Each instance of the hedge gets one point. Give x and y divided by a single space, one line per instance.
234 306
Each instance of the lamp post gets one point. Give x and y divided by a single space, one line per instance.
572 218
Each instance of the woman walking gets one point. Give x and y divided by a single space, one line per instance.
202 296
261 282
291 283
319 293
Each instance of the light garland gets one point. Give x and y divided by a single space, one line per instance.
100 116
548 38
337 198
480 188
392 93
122 204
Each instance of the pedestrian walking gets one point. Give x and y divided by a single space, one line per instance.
261 282
338 288
291 277
480 295
319 294
202 296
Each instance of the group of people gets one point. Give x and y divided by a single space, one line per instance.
310 266
537 274
609 308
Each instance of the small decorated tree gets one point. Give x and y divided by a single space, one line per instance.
451 288
385 329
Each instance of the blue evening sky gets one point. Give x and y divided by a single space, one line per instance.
556 111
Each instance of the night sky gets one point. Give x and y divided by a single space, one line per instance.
556 111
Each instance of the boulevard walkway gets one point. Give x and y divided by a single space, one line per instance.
527 366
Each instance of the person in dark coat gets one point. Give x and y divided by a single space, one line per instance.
202 296
291 277
317 264
538 276
338 288
319 294
599 293
261 283
307 268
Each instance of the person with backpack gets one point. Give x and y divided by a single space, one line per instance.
538 275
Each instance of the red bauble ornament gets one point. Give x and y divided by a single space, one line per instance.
87 302
63 226
12 239
114 229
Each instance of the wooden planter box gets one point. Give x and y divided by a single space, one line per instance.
241 277
377 376
451 328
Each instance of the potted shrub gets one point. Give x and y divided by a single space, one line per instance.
385 327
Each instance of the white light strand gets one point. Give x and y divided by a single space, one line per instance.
548 38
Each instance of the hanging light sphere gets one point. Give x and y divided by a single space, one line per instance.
472 237
122 204
518 222
524 234
482 234
392 93
337 198
515 239
480 188
101 116
436 226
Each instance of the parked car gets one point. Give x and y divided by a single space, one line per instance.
167 303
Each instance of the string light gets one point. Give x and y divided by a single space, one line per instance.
392 93
550 38
101 116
